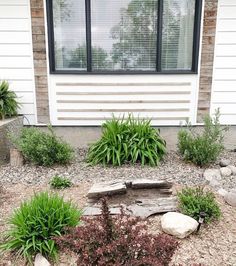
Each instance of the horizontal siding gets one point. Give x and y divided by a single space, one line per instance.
75 100
16 62
224 78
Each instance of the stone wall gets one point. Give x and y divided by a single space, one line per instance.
207 57
13 125
40 61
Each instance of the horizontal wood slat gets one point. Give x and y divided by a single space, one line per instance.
123 110
124 93
123 101
125 84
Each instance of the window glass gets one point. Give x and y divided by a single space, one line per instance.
177 35
124 34
69 34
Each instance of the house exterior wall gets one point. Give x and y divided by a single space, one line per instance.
224 74
16 59
40 60
88 100
207 57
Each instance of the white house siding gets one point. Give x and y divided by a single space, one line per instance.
91 99
16 62
224 77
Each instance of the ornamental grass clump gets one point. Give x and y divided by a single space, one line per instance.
192 201
33 225
8 101
127 140
43 148
116 241
202 148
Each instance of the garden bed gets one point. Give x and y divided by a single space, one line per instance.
214 245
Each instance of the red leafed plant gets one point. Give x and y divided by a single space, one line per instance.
115 241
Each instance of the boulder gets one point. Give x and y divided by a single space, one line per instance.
215 184
224 162
222 192
147 183
177 224
232 168
225 171
40 261
106 189
230 198
210 174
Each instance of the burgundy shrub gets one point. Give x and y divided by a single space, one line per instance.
115 241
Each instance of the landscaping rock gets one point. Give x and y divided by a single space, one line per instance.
210 174
41 261
144 208
106 189
230 198
222 192
147 183
93 211
224 162
141 208
178 224
232 168
215 184
225 171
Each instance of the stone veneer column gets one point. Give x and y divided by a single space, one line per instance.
40 60
207 58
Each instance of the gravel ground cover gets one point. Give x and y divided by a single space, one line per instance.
214 245
172 169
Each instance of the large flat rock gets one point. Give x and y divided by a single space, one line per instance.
142 207
106 189
147 183
145 207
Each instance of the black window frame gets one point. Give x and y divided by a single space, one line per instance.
195 53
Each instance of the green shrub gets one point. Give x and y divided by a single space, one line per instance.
43 148
192 201
8 101
202 148
36 222
59 182
131 140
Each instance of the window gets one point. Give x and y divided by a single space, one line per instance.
123 36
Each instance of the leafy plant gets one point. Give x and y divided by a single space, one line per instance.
117 241
127 140
43 148
192 201
8 101
202 148
59 182
36 222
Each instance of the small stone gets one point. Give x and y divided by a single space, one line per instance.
41 261
224 162
210 174
178 224
225 171
230 198
222 192
106 189
232 168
